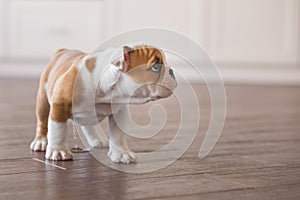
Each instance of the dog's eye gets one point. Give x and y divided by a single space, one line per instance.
156 67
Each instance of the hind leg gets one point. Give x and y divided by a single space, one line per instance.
94 137
42 112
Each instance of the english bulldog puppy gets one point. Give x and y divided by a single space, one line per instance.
75 85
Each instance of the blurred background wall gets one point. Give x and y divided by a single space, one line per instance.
252 41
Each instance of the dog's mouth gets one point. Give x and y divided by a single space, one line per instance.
153 98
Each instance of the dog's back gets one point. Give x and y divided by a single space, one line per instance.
61 62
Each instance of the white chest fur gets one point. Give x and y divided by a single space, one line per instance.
92 92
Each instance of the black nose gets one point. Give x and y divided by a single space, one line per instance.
171 73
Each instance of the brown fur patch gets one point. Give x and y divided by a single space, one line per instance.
42 114
61 112
141 59
117 63
66 60
59 76
61 101
90 64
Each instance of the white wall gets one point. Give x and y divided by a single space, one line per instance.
2 28
263 31
38 28
259 36
255 30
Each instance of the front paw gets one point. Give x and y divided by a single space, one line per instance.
120 155
58 154
39 144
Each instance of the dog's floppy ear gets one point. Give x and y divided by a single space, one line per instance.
126 56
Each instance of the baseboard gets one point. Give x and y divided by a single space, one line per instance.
230 75
266 76
258 76
21 70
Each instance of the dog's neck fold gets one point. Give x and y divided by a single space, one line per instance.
107 72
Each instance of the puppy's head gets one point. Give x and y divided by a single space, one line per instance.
146 76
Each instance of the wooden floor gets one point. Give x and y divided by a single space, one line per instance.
257 156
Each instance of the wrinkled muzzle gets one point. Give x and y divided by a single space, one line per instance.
167 84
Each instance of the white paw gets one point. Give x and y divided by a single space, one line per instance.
96 143
119 155
58 154
39 145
